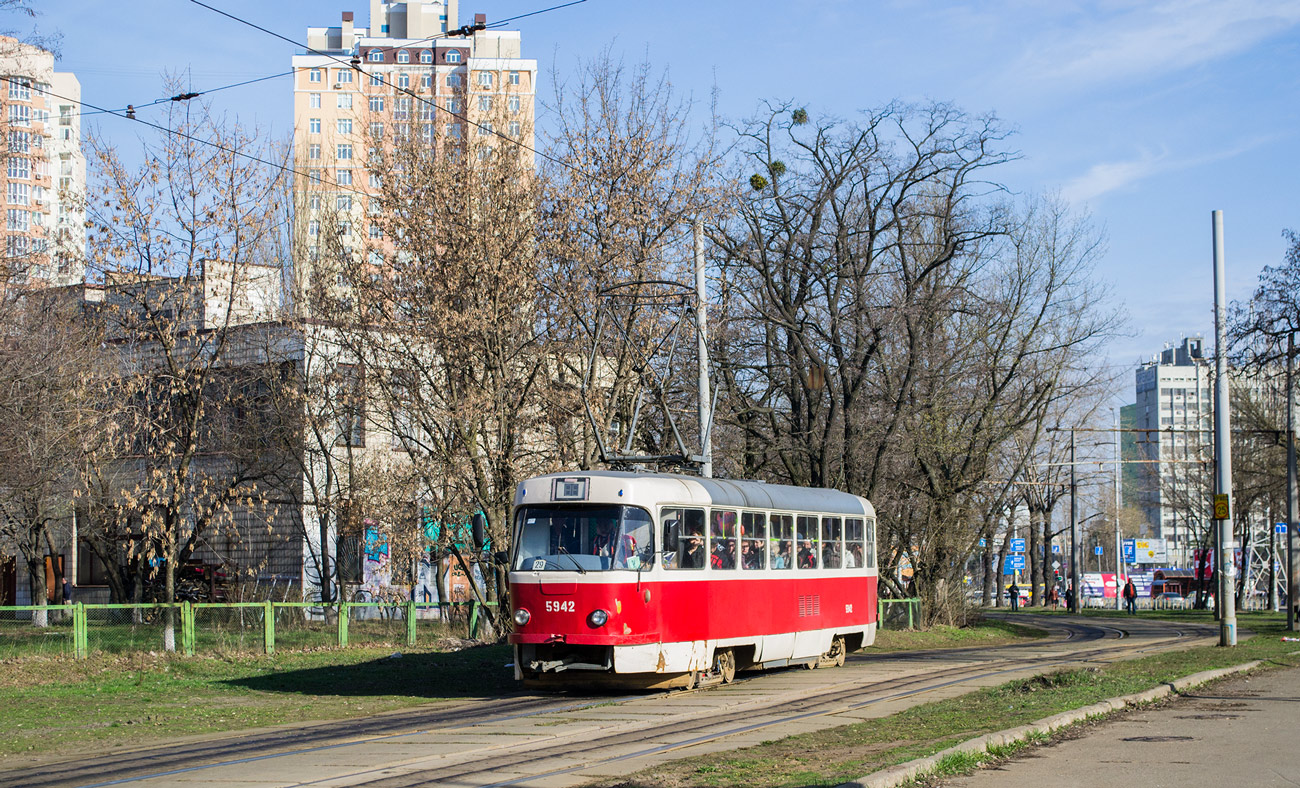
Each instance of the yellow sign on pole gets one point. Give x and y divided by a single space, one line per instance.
1221 510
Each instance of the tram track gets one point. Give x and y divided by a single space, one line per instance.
584 749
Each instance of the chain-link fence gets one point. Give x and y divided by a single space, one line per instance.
211 627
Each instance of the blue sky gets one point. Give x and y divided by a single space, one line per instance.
1149 115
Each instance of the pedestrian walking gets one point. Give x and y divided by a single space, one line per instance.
1014 590
1054 597
1130 597
1069 597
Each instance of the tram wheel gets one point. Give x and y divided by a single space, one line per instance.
692 679
725 664
837 652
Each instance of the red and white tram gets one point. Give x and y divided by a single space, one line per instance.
660 580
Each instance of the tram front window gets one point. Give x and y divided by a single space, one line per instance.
583 538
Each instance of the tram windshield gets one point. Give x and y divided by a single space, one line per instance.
583 538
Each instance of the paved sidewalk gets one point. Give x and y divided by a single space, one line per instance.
1240 731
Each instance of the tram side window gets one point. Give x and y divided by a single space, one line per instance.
853 534
723 540
683 531
831 548
808 540
871 543
781 541
753 538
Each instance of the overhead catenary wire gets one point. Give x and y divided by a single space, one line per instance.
355 64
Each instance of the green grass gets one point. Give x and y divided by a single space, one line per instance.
986 632
56 704
830 757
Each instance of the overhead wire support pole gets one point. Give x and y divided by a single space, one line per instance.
1075 588
1119 552
1292 549
1227 601
702 326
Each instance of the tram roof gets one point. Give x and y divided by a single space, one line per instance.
678 488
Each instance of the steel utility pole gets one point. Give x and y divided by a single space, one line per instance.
1119 551
1226 603
1292 553
701 320
1075 605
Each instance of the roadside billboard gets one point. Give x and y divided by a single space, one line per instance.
1150 551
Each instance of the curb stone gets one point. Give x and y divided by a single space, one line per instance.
897 775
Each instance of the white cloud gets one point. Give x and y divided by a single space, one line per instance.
1142 39
1112 175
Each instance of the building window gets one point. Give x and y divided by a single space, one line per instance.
426 81
426 56
20 115
513 105
376 80
375 182
455 130
453 80
313 125
20 88
377 130
373 206
314 175
313 202
345 76
345 177
453 105
484 103
345 125
484 129
314 75
19 167
426 110
17 194
313 151
313 100
376 103
313 228
403 56
402 131
453 55
345 229
485 79
403 80
65 115
514 129
345 101
19 220
376 56
343 151
402 108
20 141
514 77
426 133
376 231
343 202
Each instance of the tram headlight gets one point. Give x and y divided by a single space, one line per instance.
522 616
598 618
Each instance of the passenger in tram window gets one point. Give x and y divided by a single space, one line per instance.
693 552
781 559
605 540
752 557
853 558
831 555
807 556
724 554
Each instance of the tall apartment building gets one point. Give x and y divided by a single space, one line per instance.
402 76
1175 394
44 176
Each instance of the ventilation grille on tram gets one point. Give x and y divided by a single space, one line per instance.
810 605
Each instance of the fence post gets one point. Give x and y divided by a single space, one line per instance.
910 624
79 640
880 612
187 628
268 625
410 623
473 619
343 623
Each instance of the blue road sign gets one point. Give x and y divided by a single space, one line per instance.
1130 551
1096 550
1013 563
1279 528
1018 546
982 543
1056 549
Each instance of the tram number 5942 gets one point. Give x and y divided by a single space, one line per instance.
561 606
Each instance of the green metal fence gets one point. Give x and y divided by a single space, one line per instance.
210 627
899 613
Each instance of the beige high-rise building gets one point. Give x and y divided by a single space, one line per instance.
44 173
352 91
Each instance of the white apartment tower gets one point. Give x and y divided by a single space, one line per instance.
44 176
402 76
1174 401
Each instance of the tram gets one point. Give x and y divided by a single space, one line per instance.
660 580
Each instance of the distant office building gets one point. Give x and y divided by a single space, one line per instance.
44 174
1174 401
402 77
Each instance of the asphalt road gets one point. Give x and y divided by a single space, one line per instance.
1240 731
